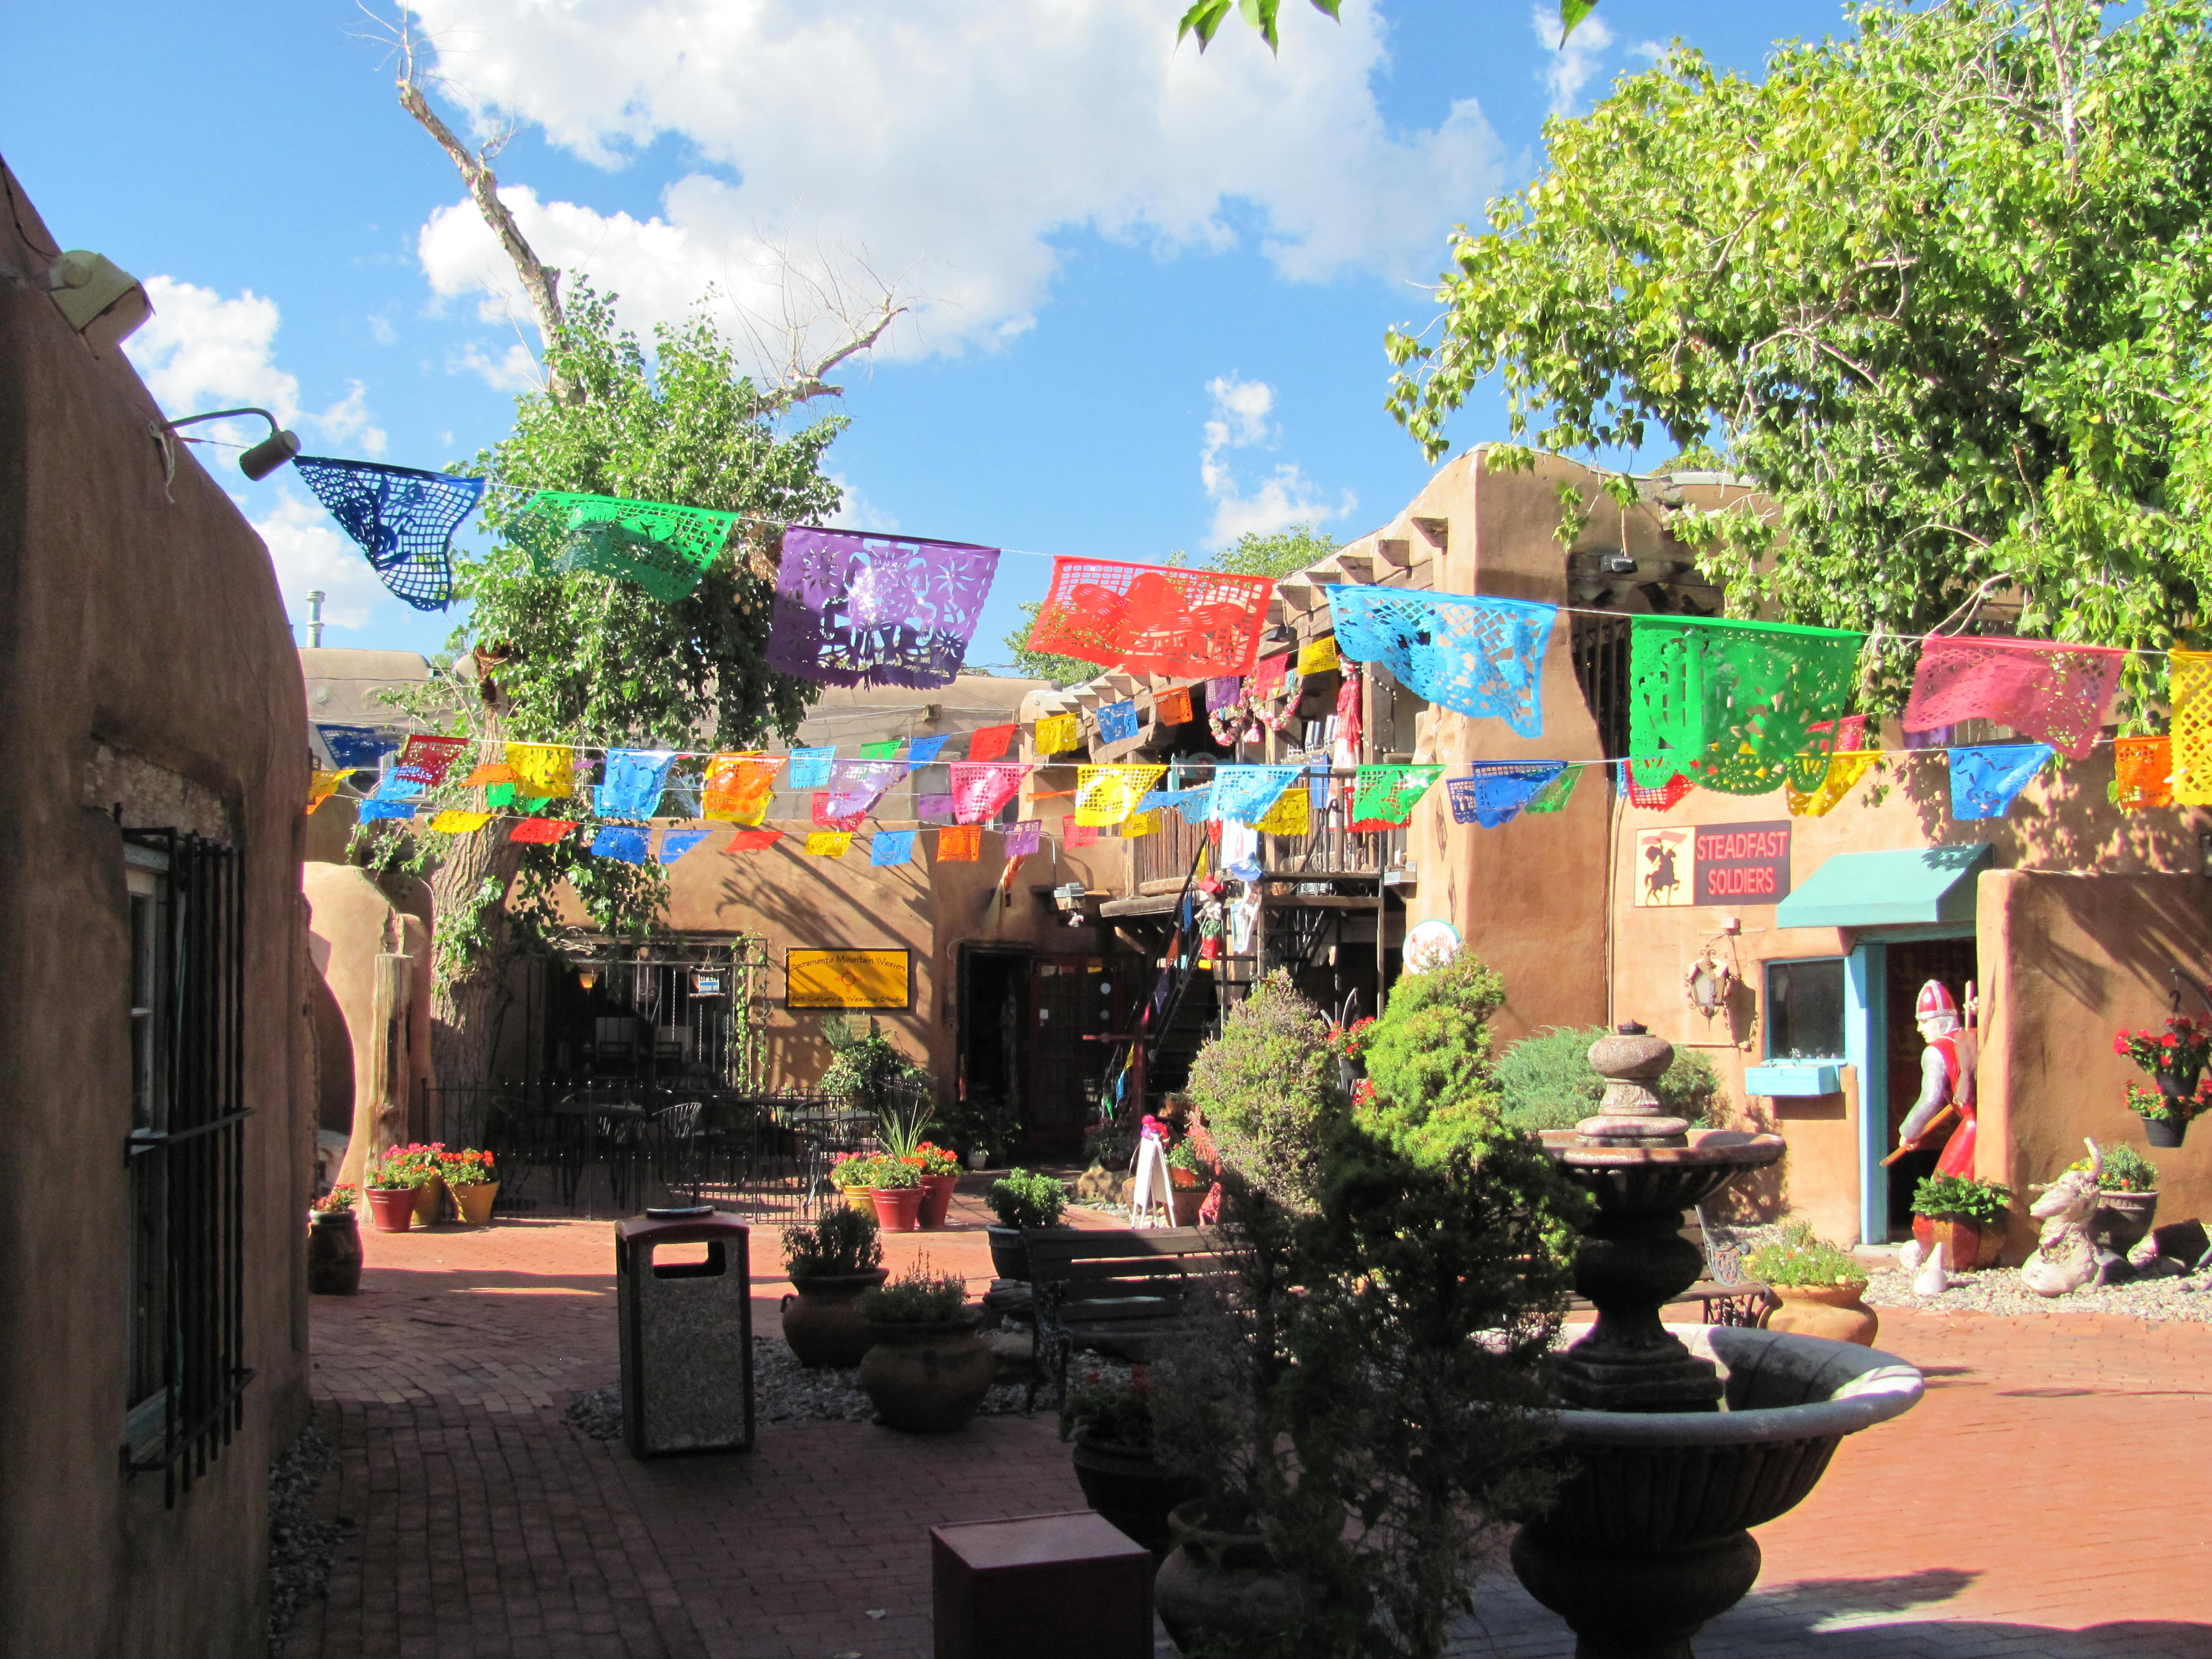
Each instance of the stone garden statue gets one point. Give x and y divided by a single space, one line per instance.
2064 1258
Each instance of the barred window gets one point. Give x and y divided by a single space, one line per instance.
186 1150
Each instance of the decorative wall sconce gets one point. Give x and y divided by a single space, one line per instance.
265 456
1708 982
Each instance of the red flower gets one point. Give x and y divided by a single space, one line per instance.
2120 1043
2167 1042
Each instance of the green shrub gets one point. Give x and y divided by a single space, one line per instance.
843 1241
1797 1258
1428 1062
1267 1086
2125 1171
1023 1199
1960 1198
865 1065
1547 1081
917 1296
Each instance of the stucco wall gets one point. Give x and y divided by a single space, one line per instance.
350 922
141 634
2076 958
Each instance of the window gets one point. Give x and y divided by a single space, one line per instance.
1805 1010
187 1156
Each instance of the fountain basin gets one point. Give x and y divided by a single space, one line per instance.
1647 1538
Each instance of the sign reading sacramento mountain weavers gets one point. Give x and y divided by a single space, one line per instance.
1713 864
846 979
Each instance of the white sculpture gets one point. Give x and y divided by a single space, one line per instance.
2064 1259
1933 1280
1909 1257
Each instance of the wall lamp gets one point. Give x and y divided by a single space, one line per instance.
265 456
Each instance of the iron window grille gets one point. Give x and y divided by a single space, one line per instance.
186 1153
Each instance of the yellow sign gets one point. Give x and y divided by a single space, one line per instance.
846 979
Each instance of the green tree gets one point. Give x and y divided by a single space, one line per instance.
594 660
1274 553
1206 18
1428 1058
1942 289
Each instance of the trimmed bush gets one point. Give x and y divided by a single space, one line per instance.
1546 1082
1428 1060
1267 1087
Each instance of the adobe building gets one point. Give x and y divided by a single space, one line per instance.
154 1068
2069 915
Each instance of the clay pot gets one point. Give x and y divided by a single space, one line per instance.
428 1198
862 1199
1966 1243
391 1208
1009 1255
822 1319
2165 1131
1131 1488
334 1253
937 1198
2122 1219
1222 1585
898 1209
1187 1202
472 1203
1834 1311
927 1379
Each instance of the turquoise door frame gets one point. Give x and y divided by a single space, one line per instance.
1866 1045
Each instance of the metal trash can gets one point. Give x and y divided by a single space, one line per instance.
687 1334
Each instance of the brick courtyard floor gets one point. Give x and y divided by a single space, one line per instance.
2053 1495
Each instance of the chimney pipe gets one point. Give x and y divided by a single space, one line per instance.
314 618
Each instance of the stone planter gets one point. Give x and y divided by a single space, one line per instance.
1835 1311
472 1203
334 1253
937 1198
1222 1585
927 1379
1130 1488
822 1318
1965 1244
2122 1219
390 1208
1009 1256
898 1209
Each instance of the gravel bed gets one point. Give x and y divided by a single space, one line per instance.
300 1548
785 1391
1999 1291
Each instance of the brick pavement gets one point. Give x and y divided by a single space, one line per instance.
2052 1495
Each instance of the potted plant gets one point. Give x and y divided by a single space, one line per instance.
469 1176
1965 1216
334 1243
1817 1288
2127 1199
1021 1199
2174 1057
896 1193
430 1190
393 1184
2166 1120
830 1265
855 1173
1188 1180
929 1368
940 1179
1115 1464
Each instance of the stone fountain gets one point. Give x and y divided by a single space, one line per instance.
1680 1438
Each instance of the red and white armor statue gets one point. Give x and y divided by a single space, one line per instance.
1946 1079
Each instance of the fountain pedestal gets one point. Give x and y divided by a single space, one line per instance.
1679 1440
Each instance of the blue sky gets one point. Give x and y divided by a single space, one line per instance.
1151 287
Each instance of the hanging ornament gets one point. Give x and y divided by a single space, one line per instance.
1733 704
1494 792
402 519
2060 695
1153 619
1468 652
864 610
665 549
1985 780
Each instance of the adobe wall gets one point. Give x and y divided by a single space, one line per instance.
350 922
140 633
2072 959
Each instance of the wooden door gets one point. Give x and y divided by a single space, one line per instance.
1075 1003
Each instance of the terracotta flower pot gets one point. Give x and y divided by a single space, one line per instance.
1226 1584
334 1253
898 1209
928 1379
822 1318
472 1203
1835 1311
391 1208
1187 1202
1967 1244
428 1197
937 1198
1131 1488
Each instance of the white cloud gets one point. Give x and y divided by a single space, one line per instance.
1287 496
950 140
200 351
516 370
1573 66
381 329
856 512
310 551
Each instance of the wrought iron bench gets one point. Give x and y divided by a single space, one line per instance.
1117 1290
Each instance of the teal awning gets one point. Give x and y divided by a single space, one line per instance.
1889 890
